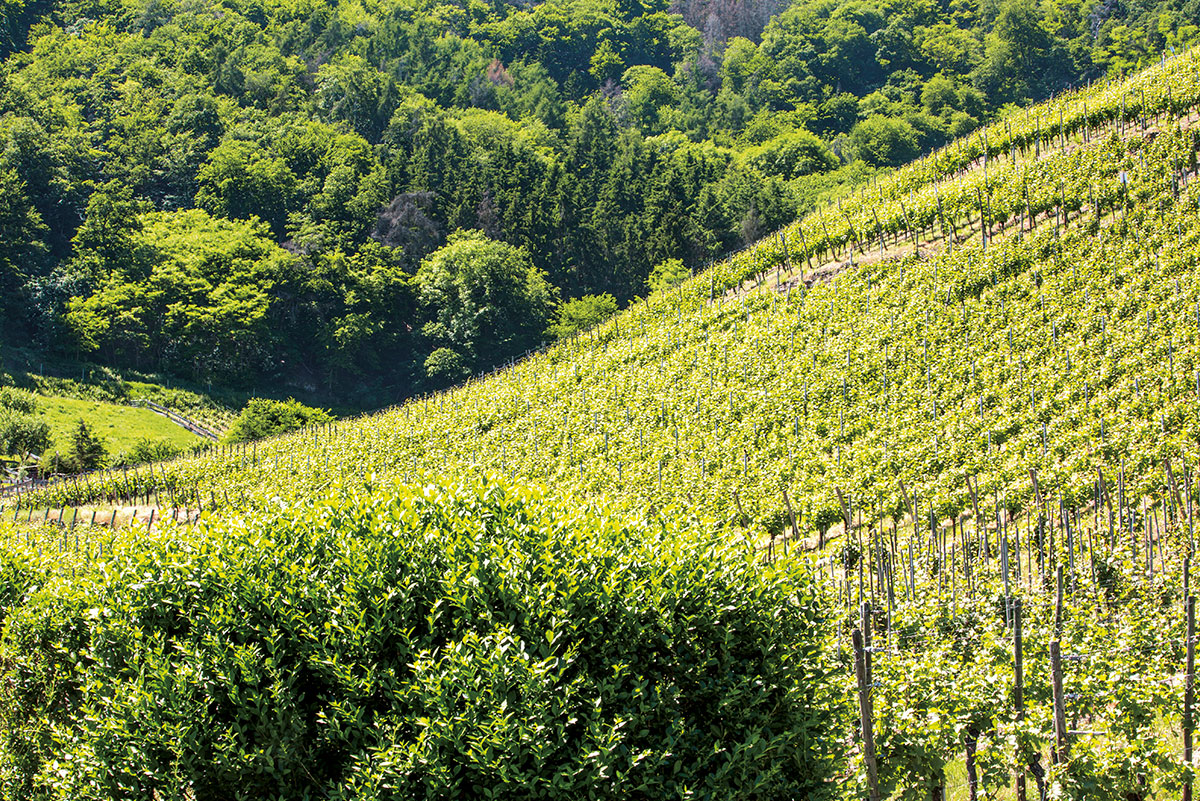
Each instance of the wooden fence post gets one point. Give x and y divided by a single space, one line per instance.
792 516
1060 712
1058 606
1189 692
864 711
1018 691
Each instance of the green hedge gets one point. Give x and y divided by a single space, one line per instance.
263 417
434 643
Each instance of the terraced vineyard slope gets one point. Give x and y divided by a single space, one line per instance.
966 397
1067 348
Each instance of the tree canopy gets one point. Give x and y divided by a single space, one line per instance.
486 298
246 191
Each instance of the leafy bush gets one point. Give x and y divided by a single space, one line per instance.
22 434
792 155
487 296
18 400
580 314
149 450
667 274
266 418
445 366
883 141
420 644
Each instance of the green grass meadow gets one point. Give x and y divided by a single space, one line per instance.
119 426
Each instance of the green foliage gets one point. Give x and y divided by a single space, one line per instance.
883 142
88 451
147 450
602 138
18 400
579 314
792 155
22 232
241 181
22 434
436 642
1021 58
199 296
651 408
648 93
445 366
486 296
1069 349
667 274
41 690
109 231
263 417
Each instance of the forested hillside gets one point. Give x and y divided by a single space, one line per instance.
1035 307
899 503
373 198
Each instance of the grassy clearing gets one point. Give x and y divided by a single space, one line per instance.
120 426
65 378
215 407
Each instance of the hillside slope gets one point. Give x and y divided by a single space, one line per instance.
1065 349
246 193
1003 363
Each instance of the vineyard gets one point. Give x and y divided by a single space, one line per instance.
965 398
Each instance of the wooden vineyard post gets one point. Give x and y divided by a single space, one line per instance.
1066 519
1004 566
845 514
912 506
982 220
1060 712
1058 605
864 712
908 227
890 572
1187 483
1107 496
879 230
912 572
1018 693
1189 692
1123 522
1037 491
865 627
987 548
803 244
1174 496
792 517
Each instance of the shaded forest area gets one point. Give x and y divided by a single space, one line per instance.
367 198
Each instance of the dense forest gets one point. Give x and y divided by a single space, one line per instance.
371 197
